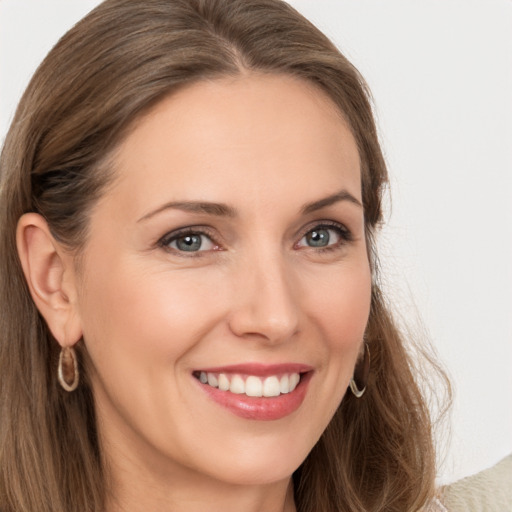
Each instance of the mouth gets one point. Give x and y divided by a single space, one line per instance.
251 385
256 392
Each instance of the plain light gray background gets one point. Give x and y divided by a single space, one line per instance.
441 75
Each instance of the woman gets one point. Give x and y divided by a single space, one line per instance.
190 195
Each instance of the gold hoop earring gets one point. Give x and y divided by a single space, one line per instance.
67 371
360 379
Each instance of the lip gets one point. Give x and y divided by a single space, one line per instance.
260 408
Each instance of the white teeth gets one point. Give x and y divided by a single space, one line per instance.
212 380
294 380
223 382
237 385
252 385
271 386
284 384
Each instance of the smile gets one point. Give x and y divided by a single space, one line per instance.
255 391
251 385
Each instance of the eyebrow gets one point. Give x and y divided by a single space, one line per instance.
223 210
217 209
342 195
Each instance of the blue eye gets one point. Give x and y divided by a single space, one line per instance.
318 237
189 242
324 237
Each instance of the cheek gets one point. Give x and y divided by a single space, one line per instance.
142 319
341 310
338 309
342 306
140 330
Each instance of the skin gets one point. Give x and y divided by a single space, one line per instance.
257 291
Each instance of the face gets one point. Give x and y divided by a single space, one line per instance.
225 285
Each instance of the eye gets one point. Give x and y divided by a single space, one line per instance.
325 237
188 241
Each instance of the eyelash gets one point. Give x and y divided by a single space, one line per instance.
343 232
167 239
164 242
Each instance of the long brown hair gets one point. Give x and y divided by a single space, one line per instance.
377 453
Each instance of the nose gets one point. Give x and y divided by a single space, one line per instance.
265 302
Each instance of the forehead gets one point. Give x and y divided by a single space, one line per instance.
246 134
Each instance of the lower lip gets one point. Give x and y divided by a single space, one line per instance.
260 408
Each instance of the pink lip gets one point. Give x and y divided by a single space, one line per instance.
260 408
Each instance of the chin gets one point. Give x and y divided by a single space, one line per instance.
259 463
262 472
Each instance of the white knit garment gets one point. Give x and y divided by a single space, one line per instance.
487 491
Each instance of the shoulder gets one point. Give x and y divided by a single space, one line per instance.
489 490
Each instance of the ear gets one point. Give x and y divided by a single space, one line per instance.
50 276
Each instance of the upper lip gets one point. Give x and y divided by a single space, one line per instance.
259 369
